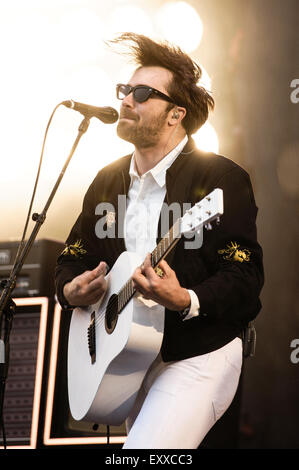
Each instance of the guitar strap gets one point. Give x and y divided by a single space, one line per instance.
248 337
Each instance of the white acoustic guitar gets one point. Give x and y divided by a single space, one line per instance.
112 343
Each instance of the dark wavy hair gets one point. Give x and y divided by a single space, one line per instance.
183 88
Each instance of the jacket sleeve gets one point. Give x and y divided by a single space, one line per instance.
232 290
80 253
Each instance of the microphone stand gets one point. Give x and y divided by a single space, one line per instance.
7 305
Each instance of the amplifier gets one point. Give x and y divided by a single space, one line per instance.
36 278
25 386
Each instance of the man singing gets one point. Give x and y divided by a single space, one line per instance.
208 294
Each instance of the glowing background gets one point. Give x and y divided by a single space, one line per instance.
53 51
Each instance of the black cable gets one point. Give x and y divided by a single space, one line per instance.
35 186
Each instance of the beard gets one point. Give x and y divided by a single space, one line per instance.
142 136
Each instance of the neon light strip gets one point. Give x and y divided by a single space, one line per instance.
50 398
43 302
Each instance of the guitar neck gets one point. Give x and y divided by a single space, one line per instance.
165 245
200 215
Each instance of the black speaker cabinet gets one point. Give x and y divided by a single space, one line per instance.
60 428
36 410
25 385
36 278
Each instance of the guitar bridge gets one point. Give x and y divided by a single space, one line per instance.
91 334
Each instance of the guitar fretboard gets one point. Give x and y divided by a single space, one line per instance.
161 250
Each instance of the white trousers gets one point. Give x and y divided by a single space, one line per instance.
179 402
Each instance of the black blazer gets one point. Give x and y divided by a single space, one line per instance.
226 273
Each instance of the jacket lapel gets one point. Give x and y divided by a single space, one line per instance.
118 200
178 184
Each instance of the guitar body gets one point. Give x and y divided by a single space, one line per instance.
113 343
103 389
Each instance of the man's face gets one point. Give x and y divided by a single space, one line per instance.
144 124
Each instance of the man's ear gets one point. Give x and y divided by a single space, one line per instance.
177 115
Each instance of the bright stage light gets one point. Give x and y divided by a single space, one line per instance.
56 52
206 138
205 80
91 85
129 18
125 73
78 37
180 24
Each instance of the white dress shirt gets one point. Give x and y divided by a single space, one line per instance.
144 202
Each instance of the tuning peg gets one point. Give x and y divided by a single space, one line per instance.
208 226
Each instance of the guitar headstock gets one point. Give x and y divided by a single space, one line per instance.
203 212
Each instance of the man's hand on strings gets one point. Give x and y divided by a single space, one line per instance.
87 288
163 288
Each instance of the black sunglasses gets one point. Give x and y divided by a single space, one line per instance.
141 93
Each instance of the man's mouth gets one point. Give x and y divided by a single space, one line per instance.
127 116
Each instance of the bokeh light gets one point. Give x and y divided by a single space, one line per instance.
79 37
179 23
205 80
56 50
206 138
130 18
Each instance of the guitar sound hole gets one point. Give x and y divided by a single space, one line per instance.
111 314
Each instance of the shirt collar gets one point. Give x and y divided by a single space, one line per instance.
158 172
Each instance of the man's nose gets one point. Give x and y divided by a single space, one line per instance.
128 100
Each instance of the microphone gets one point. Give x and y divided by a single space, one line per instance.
106 114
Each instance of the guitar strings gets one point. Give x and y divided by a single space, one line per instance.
115 301
124 302
156 258
100 315
132 290
171 238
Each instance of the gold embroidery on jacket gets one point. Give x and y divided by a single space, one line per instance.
233 253
75 250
